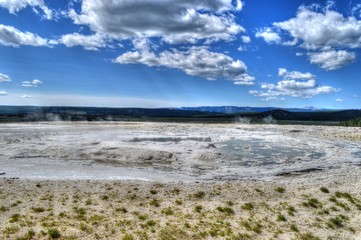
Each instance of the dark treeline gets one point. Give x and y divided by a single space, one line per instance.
30 114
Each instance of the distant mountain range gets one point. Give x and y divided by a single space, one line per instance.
234 109
225 114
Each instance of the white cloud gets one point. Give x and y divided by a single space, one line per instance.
326 34
303 92
4 78
290 43
10 36
282 72
339 100
196 61
174 21
34 83
25 96
246 39
269 36
250 83
304 87
295 85
323 30
331 60
239 5
3 93
15 6
26 84
89 42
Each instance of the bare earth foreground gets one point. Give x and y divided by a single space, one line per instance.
179 181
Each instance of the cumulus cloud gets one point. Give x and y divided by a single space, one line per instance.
294 85
324 29
282 72
324 33
302 85
88 42
174 21
331 60
269 36
280 92
25 96
3 93
195 61
246 39
34 83
4 78
339 100
13 37
241 48
15 6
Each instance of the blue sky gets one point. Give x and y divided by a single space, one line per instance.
172 53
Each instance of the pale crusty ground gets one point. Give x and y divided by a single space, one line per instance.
186 151
214 210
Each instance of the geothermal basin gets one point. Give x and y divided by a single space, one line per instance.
173 152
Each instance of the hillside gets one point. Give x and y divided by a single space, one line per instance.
31 113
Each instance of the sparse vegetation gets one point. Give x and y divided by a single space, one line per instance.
281 218
11 230
54 233
38 209
154 202
167 211
3 209
247 206
128 237
280 189
336 221
307 236
153 191
104 197
227 210
28 236
14 218
325 190
312 202
294 228
198 208
151 223
174 216
199 194
291 210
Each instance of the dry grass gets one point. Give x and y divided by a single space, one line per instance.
139 210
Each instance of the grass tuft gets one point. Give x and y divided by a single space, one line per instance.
324 190
280 189
247 206
54 233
